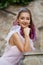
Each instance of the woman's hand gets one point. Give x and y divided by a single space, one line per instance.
27 39
26 31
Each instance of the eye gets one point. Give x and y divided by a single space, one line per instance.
22 18
28 18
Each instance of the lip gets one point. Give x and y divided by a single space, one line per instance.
24 25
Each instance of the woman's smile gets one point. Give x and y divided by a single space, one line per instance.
24 25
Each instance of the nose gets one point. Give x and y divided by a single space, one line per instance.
25 20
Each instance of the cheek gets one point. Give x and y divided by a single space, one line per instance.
19 21
29 21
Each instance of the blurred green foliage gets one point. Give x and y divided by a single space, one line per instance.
5 3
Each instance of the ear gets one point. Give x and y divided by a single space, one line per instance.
17 20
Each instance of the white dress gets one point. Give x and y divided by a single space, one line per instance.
12 55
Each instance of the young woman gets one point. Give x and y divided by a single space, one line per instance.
19 39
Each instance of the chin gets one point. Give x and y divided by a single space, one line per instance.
24 26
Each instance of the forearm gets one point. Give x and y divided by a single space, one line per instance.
27 46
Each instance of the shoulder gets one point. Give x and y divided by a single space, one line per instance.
13 30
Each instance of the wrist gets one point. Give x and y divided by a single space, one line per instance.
27 35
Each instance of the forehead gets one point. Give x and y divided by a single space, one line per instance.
26 14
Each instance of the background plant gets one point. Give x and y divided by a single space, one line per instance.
6 3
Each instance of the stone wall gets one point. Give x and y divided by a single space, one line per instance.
33 58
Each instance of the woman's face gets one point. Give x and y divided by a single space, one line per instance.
24 19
